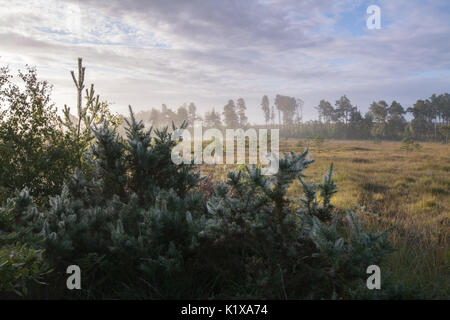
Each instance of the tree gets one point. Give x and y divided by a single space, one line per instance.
444 129
380 112
395 121
444 108
94 112
325 110
212 119
298 110
241 112
355 116
343 109
182 115
192 114
265 106
231 118
421 124
287 106
272 115
440 106
34 152
155 118
79 83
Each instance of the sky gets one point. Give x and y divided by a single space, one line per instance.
146 53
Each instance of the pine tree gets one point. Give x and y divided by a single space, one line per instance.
265 106
230 116
241 112
212 119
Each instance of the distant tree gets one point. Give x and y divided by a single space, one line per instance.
380 111
272 115
182 115
368 118
34 151
343 109
231 118
325 110
445 131
287 106
440 108
421 124
367 125
355 116
396 109
168 115
265 106
445 109
395 120
240 108
299 110
155 118
212 119
192 113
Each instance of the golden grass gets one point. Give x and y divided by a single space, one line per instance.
410 190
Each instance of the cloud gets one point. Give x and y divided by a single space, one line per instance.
152 52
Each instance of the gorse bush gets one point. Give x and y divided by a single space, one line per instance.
138 227
20 263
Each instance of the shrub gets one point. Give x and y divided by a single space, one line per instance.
409 145
20 263
33 152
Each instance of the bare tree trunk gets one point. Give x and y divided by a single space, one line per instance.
80 86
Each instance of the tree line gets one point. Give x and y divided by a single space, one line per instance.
430 118
233 114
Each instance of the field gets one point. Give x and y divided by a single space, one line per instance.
391 187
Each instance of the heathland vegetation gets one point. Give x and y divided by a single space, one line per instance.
430 118
73 191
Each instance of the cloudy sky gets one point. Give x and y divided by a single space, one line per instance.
146 53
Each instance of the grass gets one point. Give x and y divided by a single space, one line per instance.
408 190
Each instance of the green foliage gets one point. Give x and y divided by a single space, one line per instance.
444 130
20 264
409 145
125 213
385 122
138 227
33 152
276 248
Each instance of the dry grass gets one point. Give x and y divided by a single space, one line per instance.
410 190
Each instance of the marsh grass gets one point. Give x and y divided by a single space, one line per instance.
408 190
